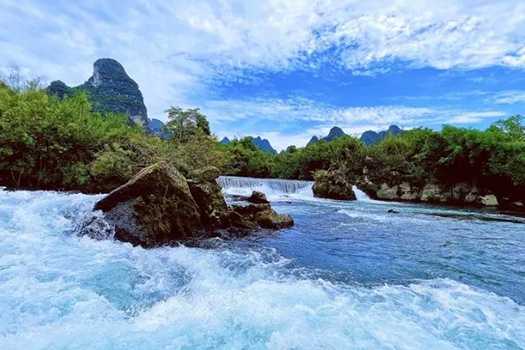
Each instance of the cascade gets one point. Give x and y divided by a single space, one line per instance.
360 195
271 187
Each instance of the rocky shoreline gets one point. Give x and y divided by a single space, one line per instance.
334 185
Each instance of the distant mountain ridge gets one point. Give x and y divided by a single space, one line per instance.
260 143
110 89
157 127
369 137
334 133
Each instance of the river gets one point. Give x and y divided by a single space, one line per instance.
348 275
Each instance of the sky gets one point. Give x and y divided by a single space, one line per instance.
287 69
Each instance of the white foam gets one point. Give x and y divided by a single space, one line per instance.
360 195
60 291
275 189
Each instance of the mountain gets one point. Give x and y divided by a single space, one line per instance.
263 145
157 127
313 140
110 89
334 133
260 143
371 137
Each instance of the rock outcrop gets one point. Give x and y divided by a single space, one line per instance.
331 184
160 206
110 89
458 194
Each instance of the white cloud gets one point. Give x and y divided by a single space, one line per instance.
474 117
314 118
174 50
510 97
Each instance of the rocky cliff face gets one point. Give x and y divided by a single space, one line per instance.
110 89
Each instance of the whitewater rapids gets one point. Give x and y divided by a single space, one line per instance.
62 291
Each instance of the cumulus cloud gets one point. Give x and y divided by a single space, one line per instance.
180 52
175 49
315 118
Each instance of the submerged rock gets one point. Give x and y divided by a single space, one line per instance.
160 206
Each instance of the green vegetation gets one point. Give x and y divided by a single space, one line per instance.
51 143
185 124
243 158
492 159
47 143
302 163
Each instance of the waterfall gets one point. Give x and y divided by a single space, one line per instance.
273 188
360 195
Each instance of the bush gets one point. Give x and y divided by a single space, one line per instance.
47 143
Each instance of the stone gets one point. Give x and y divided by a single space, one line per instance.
407 193
155 207
257 197
264 216
387 192
392 211
332 185
434 193
210 201
159 206
489 200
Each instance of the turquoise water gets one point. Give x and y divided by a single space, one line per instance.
347 276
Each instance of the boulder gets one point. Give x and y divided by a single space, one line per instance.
330 184
434 193
155 207
159 206
387 192
408 193
257 197
264 216
489 200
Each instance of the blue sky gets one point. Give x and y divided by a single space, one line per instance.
284 69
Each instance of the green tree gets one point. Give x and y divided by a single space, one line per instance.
184 124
